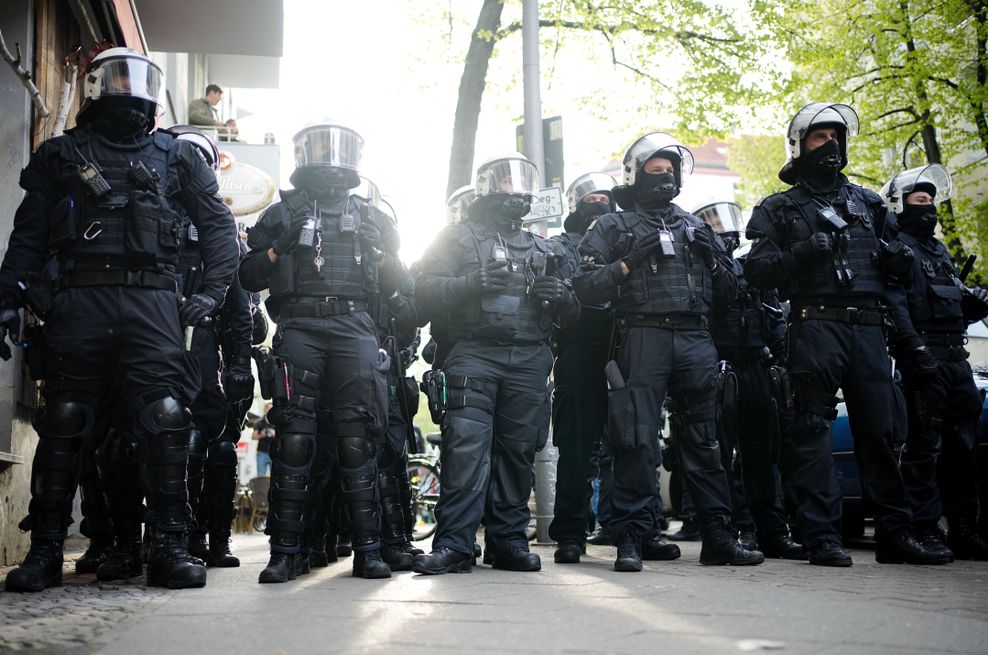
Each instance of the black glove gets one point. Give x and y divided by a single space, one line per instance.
979 294
818 245
238 381
196 308
370 238
897 258
703 241
288 241
389 275
10 328
641 249
550 289
494 277
922 365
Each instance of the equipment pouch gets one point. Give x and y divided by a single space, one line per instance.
281 387
34 337
265 370
64 223
434 386
411 390
143 224
283 277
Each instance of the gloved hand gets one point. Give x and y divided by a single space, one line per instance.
703 240
288 241
922 365
10 328
818 245
238 381
897 258
196 308
979 294
370 238
550 289
641 249
389 275
493 277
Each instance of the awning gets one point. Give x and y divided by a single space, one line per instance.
224 27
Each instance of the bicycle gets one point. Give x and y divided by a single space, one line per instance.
423 478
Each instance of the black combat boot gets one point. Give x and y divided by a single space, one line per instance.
410 548
126 560
929 535
719 546
302 562
600 537
171 566
318 559
198 547
329 547
655 548
516 557
568 551
280 568
343 546
370 566
629 558
689 532
964 540
901 547
783 547
100 547
42 568
219 551
748 540
443 560
396 557
829 553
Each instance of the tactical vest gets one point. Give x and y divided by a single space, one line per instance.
740 323
677 284
133 221
512 315
595 321
853 270
934 300
342 274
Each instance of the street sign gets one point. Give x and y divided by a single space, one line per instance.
547 206
552 146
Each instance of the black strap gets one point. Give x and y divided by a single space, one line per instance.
696 322
852 315
117 278
321 307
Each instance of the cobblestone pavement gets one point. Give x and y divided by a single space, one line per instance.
672 607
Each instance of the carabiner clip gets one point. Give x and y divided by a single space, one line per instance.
99 230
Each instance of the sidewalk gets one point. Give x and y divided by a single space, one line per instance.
671 607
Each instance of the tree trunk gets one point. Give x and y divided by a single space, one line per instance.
471 93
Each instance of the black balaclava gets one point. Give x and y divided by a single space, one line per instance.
655 190
820 168
579 221
323 183
919 221
504 211
120 118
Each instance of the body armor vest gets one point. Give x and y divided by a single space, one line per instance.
678 283
512 315
595 321
934 300
342 273
853 270
741 323
119 209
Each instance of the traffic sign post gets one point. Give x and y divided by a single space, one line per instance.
547 207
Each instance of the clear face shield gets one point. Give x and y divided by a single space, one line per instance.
652 145
817 114
587 184
458 203
328 145
513 176
722 216
895 191
368 191
125 77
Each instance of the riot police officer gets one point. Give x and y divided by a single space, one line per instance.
750 335
662 269
109 200
320 252
817 243
942 400
221 342
500 290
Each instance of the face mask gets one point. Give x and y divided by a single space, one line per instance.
505 215
118 123
324 183
655 190
919 220
586 212
821 166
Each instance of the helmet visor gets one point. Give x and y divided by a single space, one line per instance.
509 176
721 216
654 145
587 184
368 191
817 114
130 77
328 145
456 206
934 175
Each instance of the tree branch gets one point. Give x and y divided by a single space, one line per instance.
24 75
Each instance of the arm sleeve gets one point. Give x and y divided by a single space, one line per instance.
238 323
256 268
568 311
200 113
403 306
724 279
769 265
214 221
440 277
600 276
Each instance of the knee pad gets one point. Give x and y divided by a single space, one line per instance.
294 450
165 415
197 443
354 448
222 453
65 419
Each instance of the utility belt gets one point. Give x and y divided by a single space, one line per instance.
851 315
948 347
321 307
116 278
695 322
744 355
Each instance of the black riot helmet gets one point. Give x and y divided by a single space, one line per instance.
651 146
327 156
581 213
505 187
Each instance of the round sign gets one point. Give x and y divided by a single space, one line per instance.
245 189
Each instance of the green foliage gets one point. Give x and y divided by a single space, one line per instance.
759 159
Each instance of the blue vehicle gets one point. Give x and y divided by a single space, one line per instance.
856 509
